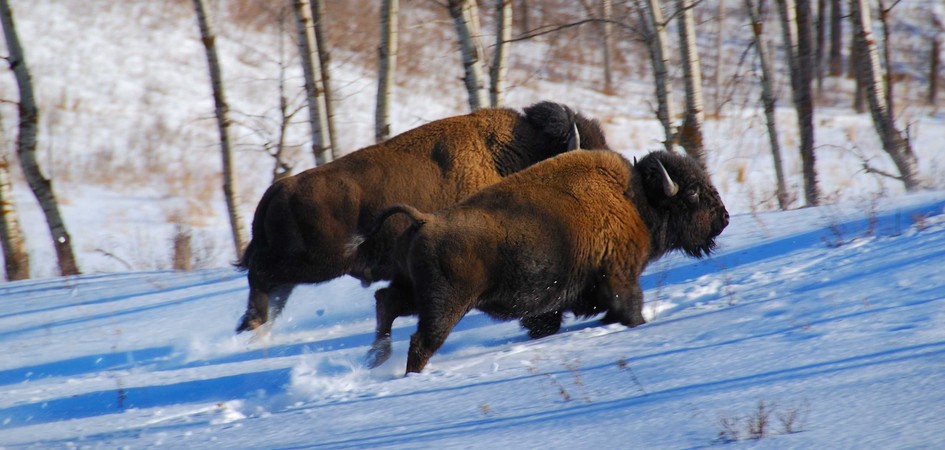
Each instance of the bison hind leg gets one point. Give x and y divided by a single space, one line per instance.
542 325
263 304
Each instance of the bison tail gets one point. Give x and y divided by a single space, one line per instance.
373 227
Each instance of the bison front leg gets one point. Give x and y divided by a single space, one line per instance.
432 329
390 303
257 307
543 324
623 299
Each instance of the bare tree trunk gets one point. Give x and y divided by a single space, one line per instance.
26 146
523 15
769 100
651 20
888 77
836 38
719 42
465 16
690 133
386 66
223 124
318 116
15 257
500 57
796 27
324 60
898 146
935 59
607 10
820 45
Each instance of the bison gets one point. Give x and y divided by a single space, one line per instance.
570 234
303 223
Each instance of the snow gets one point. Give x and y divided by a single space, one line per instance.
828 317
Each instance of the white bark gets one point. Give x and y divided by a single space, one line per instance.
324 58
15 257
651 19
465 16
500 57
690 133
223 124
387 65
26 146
308 51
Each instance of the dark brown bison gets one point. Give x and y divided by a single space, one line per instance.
570 234
303 223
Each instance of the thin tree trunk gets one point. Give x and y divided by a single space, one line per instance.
15 257
690 133
769 100
894 143
324 60
836 38
719 42
796 28
466 21
386 66
500 57
820 45
26 146
523 16
308 50
607 10
935 59
223 124
651 19
888 77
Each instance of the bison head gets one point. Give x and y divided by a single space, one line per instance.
688 211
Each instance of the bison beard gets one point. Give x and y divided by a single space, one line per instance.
303 222
570 234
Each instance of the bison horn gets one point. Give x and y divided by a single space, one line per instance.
574 143
669 186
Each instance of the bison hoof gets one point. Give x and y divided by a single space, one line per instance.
379 353
248 322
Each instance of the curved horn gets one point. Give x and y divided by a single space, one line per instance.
574 142
669 186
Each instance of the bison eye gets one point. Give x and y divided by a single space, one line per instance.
693 193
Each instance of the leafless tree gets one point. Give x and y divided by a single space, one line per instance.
324 60
690 133
500 56
314 91
223 124
796 28
821 44
894 143
465 16
836 38
653 28
15 257
26 146
935 58
387 64
768 97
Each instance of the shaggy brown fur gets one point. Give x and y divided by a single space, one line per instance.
572 233
303 223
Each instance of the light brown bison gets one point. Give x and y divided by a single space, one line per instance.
572 233
303 223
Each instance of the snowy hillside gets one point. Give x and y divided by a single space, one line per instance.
829 319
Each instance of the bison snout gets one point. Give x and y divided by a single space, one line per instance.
720 223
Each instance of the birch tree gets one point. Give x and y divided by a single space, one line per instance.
654 33
314 91
835 60
386 66
324 60
768 98
16 259
26 146
465 16
221 110
500 57
935 60
796 28
870 72
690 133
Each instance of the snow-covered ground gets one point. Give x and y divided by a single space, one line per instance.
829 318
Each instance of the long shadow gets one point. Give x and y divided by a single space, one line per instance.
86 364
117 400
891 223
